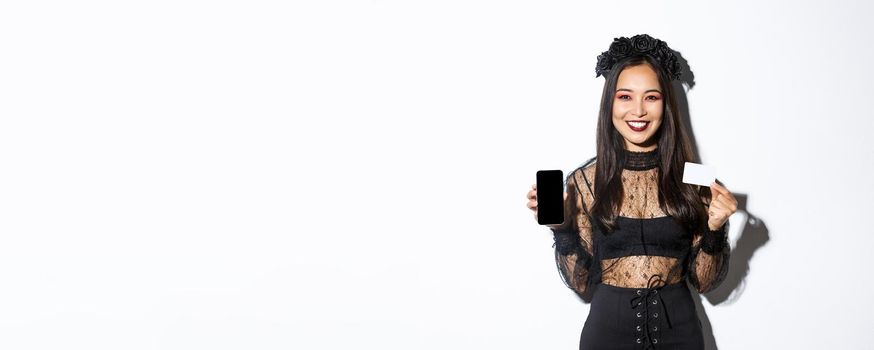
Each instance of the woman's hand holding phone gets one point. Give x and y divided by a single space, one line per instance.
532 204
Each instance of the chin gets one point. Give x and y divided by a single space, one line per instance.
639 142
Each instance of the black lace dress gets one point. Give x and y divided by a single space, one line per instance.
637 274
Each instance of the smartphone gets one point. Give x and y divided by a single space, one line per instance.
550 197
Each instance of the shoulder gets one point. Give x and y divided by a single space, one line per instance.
583 175
581 182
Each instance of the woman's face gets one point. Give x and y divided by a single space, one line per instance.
637 107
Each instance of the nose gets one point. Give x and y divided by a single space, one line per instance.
639 110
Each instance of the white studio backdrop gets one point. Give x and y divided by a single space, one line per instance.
325 175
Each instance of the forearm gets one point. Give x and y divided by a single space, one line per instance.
572 260
710 261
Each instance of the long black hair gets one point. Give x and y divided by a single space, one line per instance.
683 201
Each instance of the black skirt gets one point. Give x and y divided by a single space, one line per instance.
642 318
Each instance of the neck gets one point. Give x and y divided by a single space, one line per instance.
641 160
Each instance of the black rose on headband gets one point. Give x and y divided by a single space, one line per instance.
644 43
638 45
621 47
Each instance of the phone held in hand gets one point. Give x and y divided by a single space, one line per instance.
550 197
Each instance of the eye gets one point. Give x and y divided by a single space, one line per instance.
654 97
621 97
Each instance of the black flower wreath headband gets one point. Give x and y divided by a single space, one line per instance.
638 45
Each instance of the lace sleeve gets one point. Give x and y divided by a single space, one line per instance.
709 259
573 239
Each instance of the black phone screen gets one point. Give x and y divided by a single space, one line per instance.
550 197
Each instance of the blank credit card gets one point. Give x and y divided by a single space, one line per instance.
698 174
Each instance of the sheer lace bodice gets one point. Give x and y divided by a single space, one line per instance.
647 243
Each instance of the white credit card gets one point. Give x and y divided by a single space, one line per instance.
698 174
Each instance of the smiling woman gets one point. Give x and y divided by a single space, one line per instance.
637 110
634 234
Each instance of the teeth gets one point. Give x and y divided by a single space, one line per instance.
637 124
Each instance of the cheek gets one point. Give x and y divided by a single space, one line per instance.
618 115
618 123
659 109
618 111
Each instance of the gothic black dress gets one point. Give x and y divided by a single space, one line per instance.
637 274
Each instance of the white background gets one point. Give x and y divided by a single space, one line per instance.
325 175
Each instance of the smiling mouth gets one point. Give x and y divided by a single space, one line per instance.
638 126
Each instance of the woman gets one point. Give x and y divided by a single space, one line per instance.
634 233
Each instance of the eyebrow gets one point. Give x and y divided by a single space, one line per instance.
629 90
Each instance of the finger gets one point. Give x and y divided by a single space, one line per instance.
565 196
532 194
728 198
719 210
729 205
715 202
718 205
725 201
719 188
532 205
715 207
